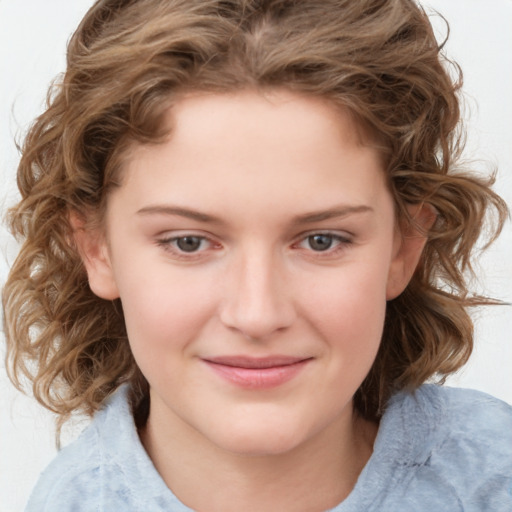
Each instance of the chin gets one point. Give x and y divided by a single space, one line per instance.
263 447
259 438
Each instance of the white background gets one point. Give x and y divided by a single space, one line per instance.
33 35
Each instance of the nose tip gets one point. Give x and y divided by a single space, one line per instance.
255 326
257 304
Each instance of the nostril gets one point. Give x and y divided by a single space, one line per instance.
257 321
256 301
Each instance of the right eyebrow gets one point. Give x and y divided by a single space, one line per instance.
162 209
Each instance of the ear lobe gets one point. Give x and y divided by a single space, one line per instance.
93 250
409 245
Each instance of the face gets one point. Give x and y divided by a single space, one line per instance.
253 253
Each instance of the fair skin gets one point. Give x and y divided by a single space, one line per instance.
254 252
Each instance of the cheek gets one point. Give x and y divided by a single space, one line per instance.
163 309
349 308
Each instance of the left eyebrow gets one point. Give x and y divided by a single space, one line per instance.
331 213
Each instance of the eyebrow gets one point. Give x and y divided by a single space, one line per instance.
307 218
341 211
181 212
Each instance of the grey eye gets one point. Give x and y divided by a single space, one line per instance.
189 243
320 242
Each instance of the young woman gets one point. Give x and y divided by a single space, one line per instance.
247 238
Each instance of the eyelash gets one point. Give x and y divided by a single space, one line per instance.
170 244
339 243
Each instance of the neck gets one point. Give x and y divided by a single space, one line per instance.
317 475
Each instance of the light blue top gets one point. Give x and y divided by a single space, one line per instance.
442 449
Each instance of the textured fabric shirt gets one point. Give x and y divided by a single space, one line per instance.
440 449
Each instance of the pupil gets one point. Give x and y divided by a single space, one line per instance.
188 243
320 242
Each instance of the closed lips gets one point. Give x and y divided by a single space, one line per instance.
256 363
257 373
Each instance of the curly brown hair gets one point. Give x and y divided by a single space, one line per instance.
128 61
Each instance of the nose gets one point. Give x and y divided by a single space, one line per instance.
258 300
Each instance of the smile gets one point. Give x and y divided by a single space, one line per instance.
257 373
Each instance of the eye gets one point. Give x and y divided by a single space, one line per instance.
189 243
320 242
329 243
186 244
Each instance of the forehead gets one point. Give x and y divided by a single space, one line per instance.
203 115
269 148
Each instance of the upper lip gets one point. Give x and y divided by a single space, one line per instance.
239 361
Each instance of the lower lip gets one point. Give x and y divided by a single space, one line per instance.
258 378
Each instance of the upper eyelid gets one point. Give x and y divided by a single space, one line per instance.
167 236
340 243
169 246
173 235
170 235
178 233
339 234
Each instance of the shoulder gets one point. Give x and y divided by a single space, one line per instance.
106 469
464 411
66 483
465 419
476 435
477 414
458 445
75 480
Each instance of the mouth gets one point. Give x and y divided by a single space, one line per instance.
257 373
